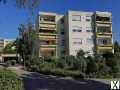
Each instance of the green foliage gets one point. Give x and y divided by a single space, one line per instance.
23 3
105 65
25 44
80 53
9 81
111 61
10 48
11 63
91 66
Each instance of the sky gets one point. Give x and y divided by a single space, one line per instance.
11 17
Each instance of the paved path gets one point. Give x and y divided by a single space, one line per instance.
35 81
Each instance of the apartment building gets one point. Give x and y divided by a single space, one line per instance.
61 35
3 43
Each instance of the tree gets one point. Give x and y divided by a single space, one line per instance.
23 3
102 68
91 65
10 48
81 61
111 61
117 53
70 61
116 47
26 42
80 53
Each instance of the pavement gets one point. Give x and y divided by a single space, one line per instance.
36 81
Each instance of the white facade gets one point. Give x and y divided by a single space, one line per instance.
80 32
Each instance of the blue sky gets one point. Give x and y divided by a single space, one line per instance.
11 17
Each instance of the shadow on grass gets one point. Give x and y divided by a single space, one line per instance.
35 81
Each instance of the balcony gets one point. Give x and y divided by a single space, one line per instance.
104 42
48 43
100 19
47 19
47 37
105 45
99 35
47 32
47 26
103 50
48 46
47 52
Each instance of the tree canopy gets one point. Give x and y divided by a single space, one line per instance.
23 3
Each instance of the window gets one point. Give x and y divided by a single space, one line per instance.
62 21
76 18
88 29
76 29
62 33
62 42
103 41
80 42
77 41
88 18
89 41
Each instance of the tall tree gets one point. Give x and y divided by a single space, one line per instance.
25 42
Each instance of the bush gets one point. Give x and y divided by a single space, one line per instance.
10 62
13 62
106 76
116 75
9 81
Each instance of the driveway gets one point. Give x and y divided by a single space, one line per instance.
36 81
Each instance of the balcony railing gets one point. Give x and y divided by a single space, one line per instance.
47 26
48 45
47 32
105 45
50 34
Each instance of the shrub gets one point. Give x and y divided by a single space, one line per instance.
13 62
9 81
10 62
107 76
116 75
